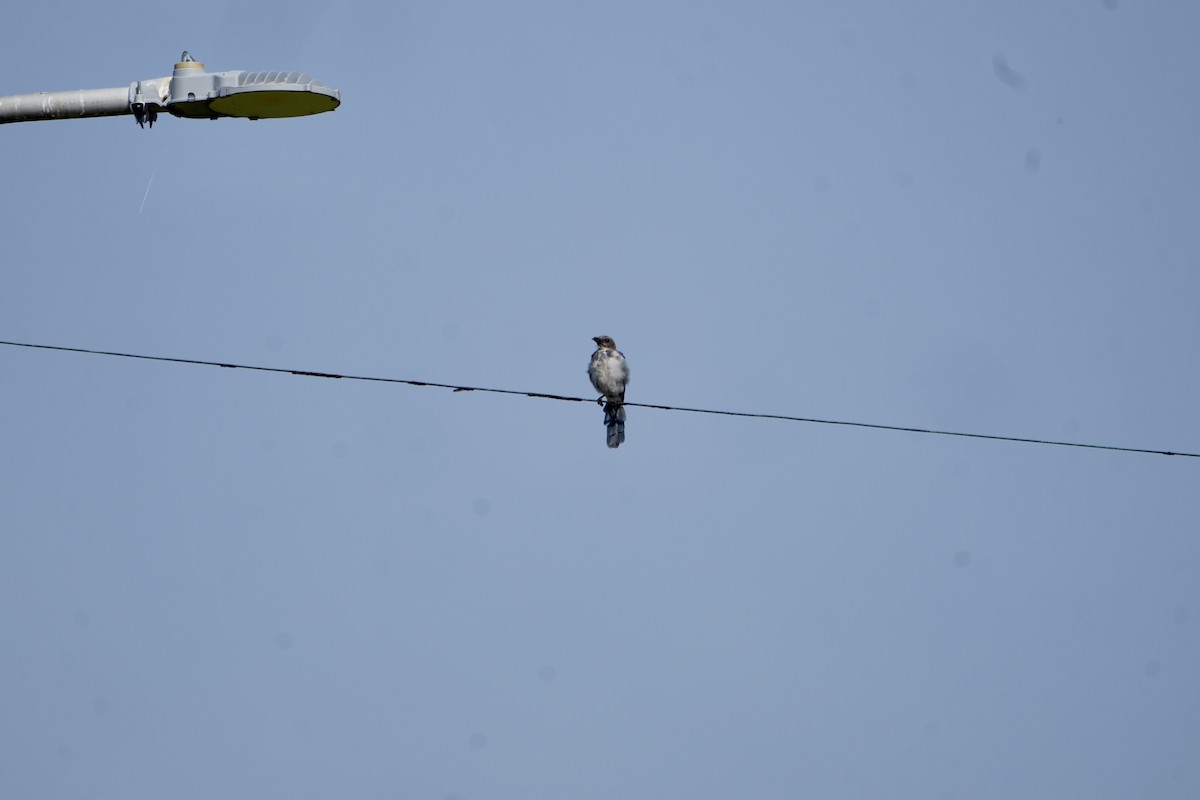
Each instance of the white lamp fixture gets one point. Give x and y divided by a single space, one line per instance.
190 92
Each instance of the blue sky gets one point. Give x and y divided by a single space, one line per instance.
238 584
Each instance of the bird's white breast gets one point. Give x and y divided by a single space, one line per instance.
609 373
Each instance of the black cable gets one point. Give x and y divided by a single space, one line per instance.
871 425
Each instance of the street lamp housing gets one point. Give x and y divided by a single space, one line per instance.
197 94
189 92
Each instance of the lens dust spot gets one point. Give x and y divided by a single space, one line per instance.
478 741
1033 161
82 618
962 559
283 640
1006 74
481 506
547 673
1153 668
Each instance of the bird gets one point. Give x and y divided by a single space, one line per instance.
609 374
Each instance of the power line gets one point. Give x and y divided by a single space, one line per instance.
545 396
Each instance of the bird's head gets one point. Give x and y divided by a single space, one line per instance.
604 341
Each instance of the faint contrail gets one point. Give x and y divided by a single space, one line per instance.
148 185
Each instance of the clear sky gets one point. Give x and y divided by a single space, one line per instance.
978 216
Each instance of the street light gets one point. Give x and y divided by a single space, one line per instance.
189 92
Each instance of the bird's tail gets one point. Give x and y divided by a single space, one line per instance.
614 421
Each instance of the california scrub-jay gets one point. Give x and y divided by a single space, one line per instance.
609 374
